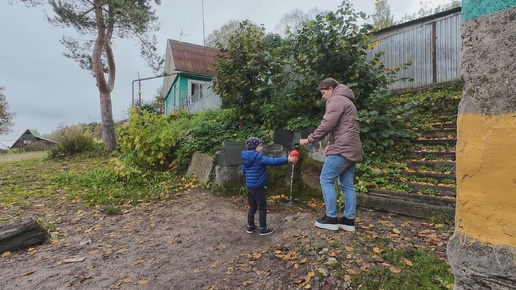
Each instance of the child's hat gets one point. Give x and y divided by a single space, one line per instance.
252 143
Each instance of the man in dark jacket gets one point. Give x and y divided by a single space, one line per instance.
344 149
254 167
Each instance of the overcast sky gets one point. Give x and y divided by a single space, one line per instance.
46 89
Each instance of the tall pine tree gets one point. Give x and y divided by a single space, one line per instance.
101 20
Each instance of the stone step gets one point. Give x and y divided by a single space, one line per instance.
448 191
447 125
435 155
438 176
414 208
415 164
442 134
434 142
410 196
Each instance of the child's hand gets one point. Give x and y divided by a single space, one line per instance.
294 156
292 160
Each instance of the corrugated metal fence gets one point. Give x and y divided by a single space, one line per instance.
431 43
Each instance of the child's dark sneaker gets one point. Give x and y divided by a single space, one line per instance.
251 229
266 231
328 223
347 224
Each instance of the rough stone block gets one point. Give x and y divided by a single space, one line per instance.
306 132
200 167
225 175
283 137
230 154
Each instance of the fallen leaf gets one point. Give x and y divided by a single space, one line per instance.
406 262
395 269
74 259
378 250
127 280
309 277
247 282
299 280
396 231
28 273
254 257
143 282
121 251
229 270
5 254
347 278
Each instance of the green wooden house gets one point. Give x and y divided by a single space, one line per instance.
188 86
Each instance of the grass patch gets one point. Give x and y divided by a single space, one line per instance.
92 180
406 269
448 181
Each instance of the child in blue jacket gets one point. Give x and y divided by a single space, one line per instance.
254 167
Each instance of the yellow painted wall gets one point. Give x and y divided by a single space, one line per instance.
486 178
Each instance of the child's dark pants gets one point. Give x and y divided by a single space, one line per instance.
257 201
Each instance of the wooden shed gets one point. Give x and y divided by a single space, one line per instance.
31 140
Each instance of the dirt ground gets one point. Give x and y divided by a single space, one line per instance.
198 241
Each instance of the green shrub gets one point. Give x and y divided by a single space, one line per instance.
383 125
73 143
148 139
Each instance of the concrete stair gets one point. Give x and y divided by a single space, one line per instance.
427 185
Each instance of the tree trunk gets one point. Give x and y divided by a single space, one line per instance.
21 234
108 126
102 44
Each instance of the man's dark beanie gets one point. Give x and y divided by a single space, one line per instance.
252 143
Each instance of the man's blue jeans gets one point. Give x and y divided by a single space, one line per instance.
338 168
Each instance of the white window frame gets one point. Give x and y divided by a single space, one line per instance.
202 86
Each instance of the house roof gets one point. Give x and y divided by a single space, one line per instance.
3 147
192 58
36 135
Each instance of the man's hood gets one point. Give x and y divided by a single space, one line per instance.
344 91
